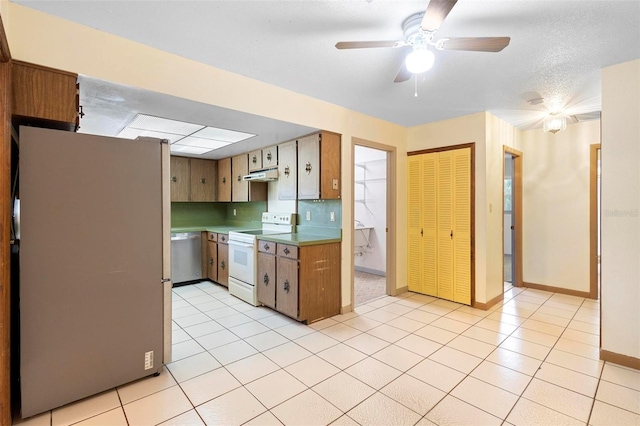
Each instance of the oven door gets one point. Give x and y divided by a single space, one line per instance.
242 261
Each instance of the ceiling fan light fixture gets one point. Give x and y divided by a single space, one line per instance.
419 61
554 123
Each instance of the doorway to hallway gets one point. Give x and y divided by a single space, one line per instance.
512 217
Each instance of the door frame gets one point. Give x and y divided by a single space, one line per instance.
472 213
5 211
593 221
517 220
391 252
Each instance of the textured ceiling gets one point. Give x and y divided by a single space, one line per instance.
557 50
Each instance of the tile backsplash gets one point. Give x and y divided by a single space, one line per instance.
207 214
320 212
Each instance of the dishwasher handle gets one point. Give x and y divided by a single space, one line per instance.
183 236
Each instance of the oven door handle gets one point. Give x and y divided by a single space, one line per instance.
239 244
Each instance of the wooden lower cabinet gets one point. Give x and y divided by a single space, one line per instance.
212 260
267 279
307 280
223 263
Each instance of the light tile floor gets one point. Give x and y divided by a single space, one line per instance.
412 359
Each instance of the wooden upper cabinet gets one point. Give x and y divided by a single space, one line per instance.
203 180
180 179
255 160
193 179
43 93
239 168
270 157
319 167
224 179
287 171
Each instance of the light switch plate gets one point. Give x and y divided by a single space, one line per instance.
332 216
308 215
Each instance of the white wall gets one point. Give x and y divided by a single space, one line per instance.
620 280
371 167
556 205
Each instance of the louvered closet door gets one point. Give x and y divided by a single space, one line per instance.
414 264
462 225
429 225
445 224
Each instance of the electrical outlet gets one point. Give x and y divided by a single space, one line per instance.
332 216
234 212
308 215
335 184
148 360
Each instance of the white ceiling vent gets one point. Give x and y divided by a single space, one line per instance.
587 116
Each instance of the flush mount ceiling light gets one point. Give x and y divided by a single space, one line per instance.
554 123
185 138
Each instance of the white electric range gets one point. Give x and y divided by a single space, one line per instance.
243 254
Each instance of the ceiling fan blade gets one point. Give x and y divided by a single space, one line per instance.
366 44
476 44
435 14
403 73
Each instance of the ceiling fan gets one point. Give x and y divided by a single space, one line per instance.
419 32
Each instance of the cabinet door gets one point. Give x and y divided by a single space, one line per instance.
223 265
239 168
255 160
224 179
266 279
203 180
462 225
270 157
445 224
330 166
180 179
309 168
287 287
287 171
212 260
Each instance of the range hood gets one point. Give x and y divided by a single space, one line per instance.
263 176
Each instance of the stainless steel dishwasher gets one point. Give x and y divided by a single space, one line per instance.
186 257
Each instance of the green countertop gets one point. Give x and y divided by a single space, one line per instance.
221 229
299 239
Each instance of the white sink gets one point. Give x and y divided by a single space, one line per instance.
361 236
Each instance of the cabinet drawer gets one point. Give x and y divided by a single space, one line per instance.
223 238
290 252
212 236
266 247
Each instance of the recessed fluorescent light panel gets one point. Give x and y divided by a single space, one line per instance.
193 138
223 135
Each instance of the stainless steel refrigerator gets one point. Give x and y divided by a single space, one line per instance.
94 247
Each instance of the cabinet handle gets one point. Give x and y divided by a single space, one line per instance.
224 180
222 265
307 168
287 171
210 261
286 251
265 279
266 246
269 156
223 239
451 234
254 160
174 179
81 113
239 178
421 232
286 286
203 180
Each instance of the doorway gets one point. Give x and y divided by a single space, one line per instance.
512 218
371 213
594 221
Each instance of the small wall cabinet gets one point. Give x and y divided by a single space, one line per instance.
193 179
43 93
242 190
270 157
319 167
255 160
300 282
